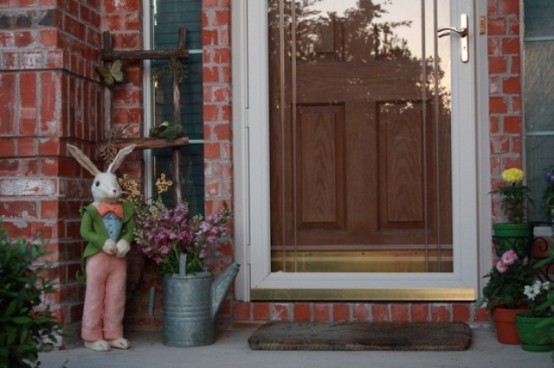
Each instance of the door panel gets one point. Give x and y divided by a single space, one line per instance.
320 167
360 136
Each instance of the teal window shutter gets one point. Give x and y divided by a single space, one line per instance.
168 16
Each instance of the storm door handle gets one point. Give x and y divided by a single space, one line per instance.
462 32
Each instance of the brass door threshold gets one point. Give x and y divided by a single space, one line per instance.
362 261
427 294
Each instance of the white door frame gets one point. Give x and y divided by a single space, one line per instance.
471 178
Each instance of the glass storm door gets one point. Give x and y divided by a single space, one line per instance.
360 136
369 127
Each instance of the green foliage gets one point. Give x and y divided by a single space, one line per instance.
507 281
547 305
26 327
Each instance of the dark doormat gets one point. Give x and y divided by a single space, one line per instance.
424 336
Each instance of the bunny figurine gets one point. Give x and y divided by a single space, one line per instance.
108 226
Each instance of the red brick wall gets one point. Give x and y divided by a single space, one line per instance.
250 314
50 96
504 90
123 19
218 170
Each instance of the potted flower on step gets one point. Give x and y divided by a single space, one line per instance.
532 327
542 305
514 194
504 295
178 243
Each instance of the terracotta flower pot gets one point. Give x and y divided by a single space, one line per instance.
505 322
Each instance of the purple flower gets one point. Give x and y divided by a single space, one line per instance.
501 266
164 232
509 257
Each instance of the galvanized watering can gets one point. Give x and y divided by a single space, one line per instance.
190 304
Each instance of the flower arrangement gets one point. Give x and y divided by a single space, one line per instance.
514 195
507 280
164 233
537 295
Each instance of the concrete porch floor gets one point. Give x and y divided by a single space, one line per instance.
231 350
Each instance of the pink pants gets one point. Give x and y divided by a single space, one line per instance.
104 297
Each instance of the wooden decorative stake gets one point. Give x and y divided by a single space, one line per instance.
109 54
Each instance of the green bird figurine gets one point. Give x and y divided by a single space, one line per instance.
167 130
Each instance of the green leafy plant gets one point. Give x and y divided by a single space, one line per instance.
514 195
26 326
545 303
507 281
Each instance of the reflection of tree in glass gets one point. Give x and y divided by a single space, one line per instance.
354 35
317 27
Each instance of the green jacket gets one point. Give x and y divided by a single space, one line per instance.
95 233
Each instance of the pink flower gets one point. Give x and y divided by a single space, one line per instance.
501 266
509 258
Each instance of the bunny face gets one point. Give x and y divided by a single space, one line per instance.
105 188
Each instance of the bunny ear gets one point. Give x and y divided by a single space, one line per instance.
85 162
118 160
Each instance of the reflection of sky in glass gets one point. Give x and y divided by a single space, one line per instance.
403 10
396 11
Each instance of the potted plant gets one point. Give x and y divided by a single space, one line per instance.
514 194
543 301
178 243
504 295
534 335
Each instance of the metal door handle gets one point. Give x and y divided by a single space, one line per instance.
445 31
463 32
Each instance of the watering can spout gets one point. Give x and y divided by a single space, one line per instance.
221 285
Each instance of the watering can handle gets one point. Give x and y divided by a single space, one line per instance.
183 264
151 301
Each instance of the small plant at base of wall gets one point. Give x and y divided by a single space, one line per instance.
27 326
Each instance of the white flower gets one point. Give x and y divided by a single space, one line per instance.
529 292
532 291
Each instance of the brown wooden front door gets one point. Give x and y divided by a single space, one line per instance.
360 140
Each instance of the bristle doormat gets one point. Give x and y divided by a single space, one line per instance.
351 336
